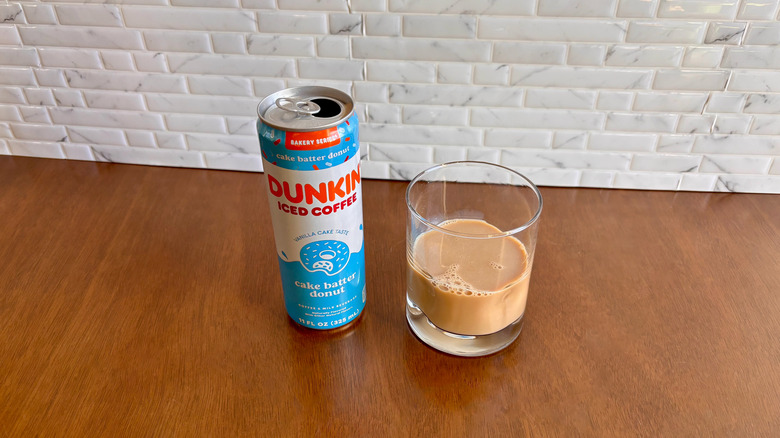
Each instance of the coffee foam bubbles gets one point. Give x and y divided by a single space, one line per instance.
451 282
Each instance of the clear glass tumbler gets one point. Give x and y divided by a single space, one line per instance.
470 239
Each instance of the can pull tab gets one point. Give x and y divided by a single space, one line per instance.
298 106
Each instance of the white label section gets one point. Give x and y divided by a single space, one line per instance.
313 205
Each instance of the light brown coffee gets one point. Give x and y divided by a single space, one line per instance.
469 286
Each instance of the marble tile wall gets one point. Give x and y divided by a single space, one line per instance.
640 94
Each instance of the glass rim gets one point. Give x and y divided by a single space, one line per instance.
430 224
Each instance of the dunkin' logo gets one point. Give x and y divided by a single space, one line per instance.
309 141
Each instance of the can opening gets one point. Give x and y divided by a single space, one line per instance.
328 107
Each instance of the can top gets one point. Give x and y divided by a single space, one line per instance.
303 109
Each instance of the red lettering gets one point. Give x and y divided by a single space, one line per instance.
355 176
335 190
298 193
311 192
274 187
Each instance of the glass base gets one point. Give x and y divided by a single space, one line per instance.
460 345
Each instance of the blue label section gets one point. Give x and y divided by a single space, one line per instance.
327 296
311 150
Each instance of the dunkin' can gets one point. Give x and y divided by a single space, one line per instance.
311 159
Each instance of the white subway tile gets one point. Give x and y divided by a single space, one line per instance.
154 157
748 184
114 100
192 104
78 152
392 71
345 24
72 58
736 144
586 54
404 171
637 8
766 125
110 119
615 100
515 138
692 182
176 41
550 177
435 115
643 56
455 95
529 53
4 150
102 38
420 49
383 25
38 149
264 87
150 62
727 102
476 7
536 118
9 36
411 134
775 169
665 163
752 57
34 114
621 142
596 178
38 96
89 15
762 104
670 102
92 136
233 161
195 123
446 154
729 124
16 76
371 92
695 80
383 114
207 3
734 164
228 42
68 98
189 18
580 77
220 85
11 95
489 155
242 126
130 81
31 131
23 56
725 33
763 34
333 46
369 5
702 57
758 10
39 13
567 99
376 170
440 26
453 73
565 159
675 143
646 181
570 140
243 144
170 140
680 32
491 74
12 13
695 124
293 22
723 9
141 139
310 5
576 8
236 65
116 60
258 4
400 153
338 69
523 29
640 122
755 80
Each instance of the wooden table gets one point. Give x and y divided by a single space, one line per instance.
145 301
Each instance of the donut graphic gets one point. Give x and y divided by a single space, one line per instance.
328 256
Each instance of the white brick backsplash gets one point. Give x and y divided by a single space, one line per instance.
155 157
445 154
586 54
177 41
580 77
39 149
34 114
691 80
9 36
489 155
479 7
761 80
12 13
189 19
736 145
242 125
294 23
413 134
233 161
529 53
264 87
677 102
115 60
513 138
775 169
39 132
308 5
142 139
762 103
674 143
758 10
234 43
766 125
243 144
401 153
726 102
453 73
724 9
565 159
38 96
170 140
207 3
725 33
369 5
614 100
640 122
259 4
567 99
68 98
218 105
570 140
19 56
102 38
665 163
491 74
576 8
695 124
48 77
443 26
12 95
110 119
644 56
78 152
596 178
747 184
752 57
680 32
731 124
455 95
537 118
39 14
435 115
220 85
103 80
331 69
384 114
231 65
637 8
114 100
702 57
72 58
371 92
89 15
391 71
382 25
16 76
345 24
420 49
195 123
692 182
333 46
763 34
150 62
662 181
621 142
734 164
93 136
520 29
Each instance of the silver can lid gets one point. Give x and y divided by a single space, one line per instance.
304 109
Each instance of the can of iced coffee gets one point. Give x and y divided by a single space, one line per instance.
311 159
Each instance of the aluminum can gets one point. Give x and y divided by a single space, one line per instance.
311 163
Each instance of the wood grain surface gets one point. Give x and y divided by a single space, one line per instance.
146 301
